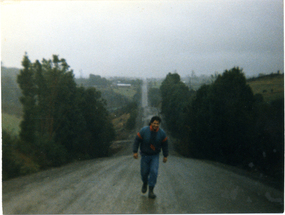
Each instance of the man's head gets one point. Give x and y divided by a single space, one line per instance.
154 122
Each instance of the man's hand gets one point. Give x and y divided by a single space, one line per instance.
135 155
164 159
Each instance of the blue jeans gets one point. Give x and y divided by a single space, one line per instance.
149 169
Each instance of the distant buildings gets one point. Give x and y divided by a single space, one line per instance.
123 85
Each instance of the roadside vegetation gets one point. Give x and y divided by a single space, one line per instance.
231 120
49 118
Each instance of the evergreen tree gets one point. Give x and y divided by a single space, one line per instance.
26 81
154 97
197 127
175 96
61 122
232 115
221 119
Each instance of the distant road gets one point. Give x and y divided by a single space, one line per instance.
144 94
148 112
112 185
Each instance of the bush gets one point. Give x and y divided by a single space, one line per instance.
154 97
219 121
27 165
14 162
131 123
48 153
10 165
269 144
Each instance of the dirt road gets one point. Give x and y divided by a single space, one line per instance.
112 185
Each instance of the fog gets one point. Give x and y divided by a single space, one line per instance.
146 38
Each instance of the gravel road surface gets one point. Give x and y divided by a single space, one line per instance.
112 185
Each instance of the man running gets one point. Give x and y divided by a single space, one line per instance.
151 140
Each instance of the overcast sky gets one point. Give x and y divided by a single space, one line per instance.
146 38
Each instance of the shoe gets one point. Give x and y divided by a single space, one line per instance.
144 188
150 193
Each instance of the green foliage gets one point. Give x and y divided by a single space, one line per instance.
61 122
232 116
175 97
114 100
221 118
15 163
10 167
154 97
116 97
132 108
96 80
226 122
28 99
138 95
126 92
48 153
132 120
269 144
197 123
98 131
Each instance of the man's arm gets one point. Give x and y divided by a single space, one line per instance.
164 147
138 140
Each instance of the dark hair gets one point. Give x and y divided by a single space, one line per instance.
157 118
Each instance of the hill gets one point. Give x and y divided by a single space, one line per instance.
271 87
11 123
10 91
11 72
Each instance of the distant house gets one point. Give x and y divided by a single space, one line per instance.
123 85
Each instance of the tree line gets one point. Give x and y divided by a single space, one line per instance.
61 121
115 101
224 121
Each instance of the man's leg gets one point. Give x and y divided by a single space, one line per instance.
153 175
153 170
145 168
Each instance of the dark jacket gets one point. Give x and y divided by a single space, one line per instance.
151 142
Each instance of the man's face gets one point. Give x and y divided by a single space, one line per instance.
155 124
